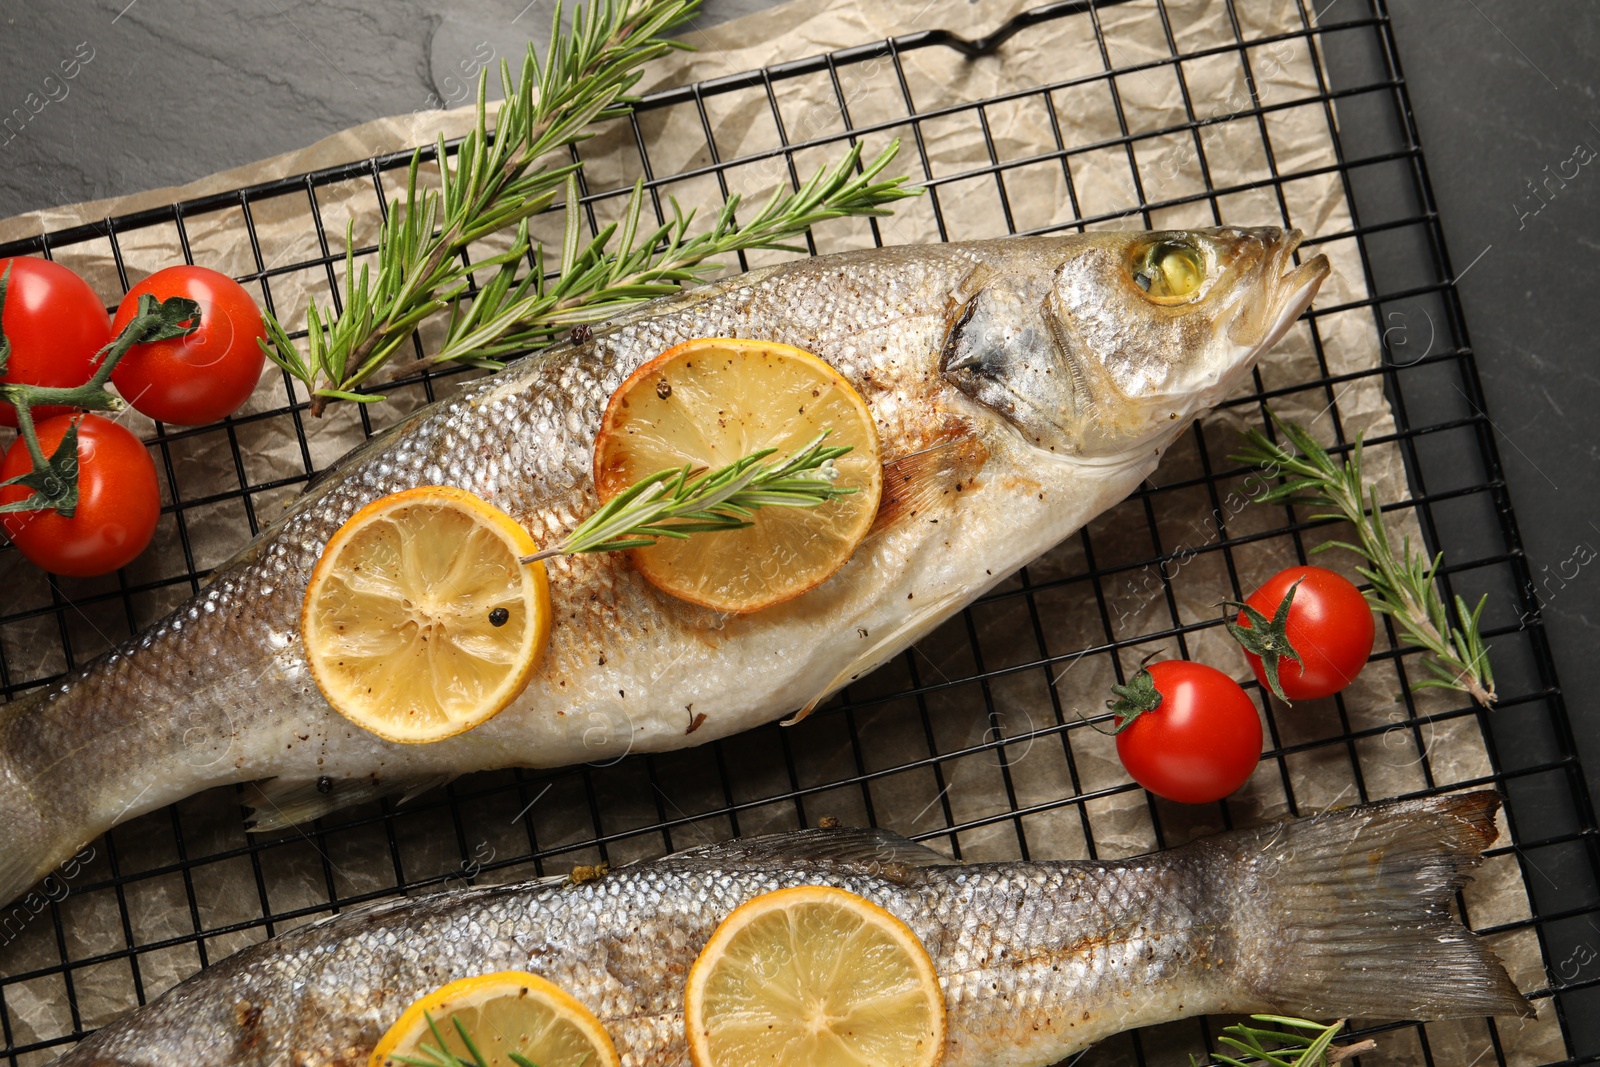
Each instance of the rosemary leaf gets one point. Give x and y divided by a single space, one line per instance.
1402 581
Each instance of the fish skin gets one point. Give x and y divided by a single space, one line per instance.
1035 361
1336 914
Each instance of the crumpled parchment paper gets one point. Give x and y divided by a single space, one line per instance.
1042 765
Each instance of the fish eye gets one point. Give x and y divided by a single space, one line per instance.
1169 271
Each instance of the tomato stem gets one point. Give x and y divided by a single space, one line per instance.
30 437
1134 699
1267 639
157 320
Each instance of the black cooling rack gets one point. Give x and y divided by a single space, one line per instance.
147 909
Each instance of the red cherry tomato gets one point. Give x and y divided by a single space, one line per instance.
55 325
201 377
118 500
1329 625
1200 743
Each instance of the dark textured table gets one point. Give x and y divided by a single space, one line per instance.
1505 99
108 97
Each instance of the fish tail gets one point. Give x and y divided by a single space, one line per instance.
1349 912
44 822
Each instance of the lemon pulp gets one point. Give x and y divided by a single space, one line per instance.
419 620
814 976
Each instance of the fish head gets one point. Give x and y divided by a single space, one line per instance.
1116 340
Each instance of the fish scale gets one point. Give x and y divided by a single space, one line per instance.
1335 914
1013 405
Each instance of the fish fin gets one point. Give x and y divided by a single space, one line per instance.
45 833
866 848
913 486
1349 912
280 803
318 486
911 630
415 788
915 483
366 910
971 284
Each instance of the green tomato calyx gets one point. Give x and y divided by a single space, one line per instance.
1135 698
1267 639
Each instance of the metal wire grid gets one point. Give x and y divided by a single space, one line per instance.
773 777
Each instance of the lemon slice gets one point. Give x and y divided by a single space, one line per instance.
504 1012
710 402
419 621
813 977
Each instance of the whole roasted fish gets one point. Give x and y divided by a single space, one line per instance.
1020 388
1339 914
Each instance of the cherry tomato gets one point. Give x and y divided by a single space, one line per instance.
1329 626
118 500
55 325
1202 739
206 375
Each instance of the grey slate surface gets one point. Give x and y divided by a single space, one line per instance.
1504 95
177 89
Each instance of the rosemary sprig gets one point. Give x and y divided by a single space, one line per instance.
586 78
507 316
497 180
1302 1044
675 503
1402 583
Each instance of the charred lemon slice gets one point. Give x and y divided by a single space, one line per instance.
504 1012
813 977
708 403
419 621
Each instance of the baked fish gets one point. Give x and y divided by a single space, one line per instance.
1020 387
1346 913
